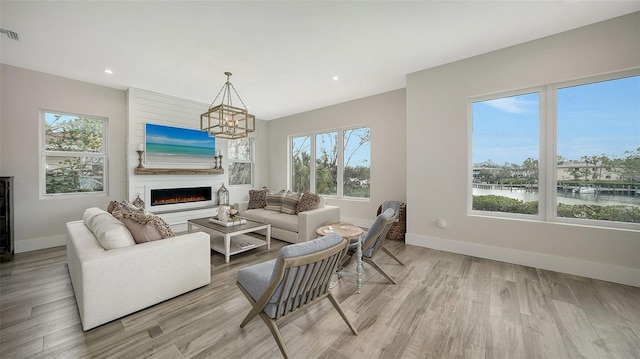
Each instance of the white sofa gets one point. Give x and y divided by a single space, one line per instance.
109 284
292 228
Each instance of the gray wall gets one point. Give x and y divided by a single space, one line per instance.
437 145
385 114
41 223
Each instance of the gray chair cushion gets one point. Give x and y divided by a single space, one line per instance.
368 235
256 278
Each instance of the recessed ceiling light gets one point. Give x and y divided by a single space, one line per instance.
336 78
108 71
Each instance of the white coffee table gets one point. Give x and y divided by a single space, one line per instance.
231 240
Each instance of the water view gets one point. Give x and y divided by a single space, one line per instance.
566 198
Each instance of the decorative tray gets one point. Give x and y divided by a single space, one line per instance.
228 223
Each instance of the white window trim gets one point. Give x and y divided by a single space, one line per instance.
251 161
541 91
339 162
42 173
547 166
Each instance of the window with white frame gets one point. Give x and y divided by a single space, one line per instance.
505 153
321 161
301 163
74 154
240 154
576 159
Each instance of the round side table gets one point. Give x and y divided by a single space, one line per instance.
348 231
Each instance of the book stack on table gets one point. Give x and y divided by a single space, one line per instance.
228 223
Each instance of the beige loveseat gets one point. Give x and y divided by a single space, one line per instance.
293 228
109 284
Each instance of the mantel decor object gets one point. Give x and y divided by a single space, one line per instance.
140 151
138 202
223 196
218 161
226 120
223 213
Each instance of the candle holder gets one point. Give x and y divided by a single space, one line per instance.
217 161
140 159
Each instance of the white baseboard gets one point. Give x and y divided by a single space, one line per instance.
33 244
580 267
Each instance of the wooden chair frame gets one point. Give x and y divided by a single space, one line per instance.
300 290
376 240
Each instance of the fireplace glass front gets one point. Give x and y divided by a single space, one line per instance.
166 196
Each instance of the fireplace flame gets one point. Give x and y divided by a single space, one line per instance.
176 200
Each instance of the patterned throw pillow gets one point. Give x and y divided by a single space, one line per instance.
257 198
290 202
308 201
142 225
274 201
114 206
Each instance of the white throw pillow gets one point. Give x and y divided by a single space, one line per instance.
109 231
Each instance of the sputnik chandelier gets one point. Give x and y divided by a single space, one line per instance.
225 120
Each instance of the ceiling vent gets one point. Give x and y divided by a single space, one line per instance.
12 34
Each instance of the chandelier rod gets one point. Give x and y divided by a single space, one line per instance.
227 93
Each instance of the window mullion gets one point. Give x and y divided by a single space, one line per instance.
340 163
312 165
550 180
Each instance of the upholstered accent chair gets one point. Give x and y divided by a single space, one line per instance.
297 278
373 241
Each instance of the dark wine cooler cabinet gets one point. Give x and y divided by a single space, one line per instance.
6 218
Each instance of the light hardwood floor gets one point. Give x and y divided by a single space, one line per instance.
444 306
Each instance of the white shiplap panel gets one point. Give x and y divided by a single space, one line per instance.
146 106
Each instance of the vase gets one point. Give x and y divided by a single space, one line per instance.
223 213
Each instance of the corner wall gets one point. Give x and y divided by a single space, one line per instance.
40 223
437 153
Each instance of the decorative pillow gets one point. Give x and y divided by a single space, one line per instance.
129 206
144 225
308 201
114 206
290 202
274 201
257 198
89 213
110 232
141 233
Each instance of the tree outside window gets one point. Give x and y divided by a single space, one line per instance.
333 163
326 163
240 154
301 163
357 158
74 154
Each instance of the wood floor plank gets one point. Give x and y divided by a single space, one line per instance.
578 334
468 337
505 339
542 339
504 300
445 305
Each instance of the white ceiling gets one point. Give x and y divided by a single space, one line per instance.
283 54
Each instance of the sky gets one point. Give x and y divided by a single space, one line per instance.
593 119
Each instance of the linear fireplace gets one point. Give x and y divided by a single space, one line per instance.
176 198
